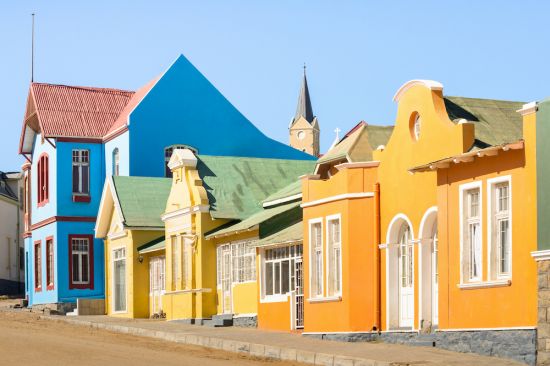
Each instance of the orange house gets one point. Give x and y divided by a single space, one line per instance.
442 253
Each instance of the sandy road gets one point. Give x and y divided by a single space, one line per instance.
26 340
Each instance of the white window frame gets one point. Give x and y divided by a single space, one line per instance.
80 164
312 222
491 185
263 276
328 251
113 260
80 253
463 189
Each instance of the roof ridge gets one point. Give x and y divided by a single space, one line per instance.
488 99
88 88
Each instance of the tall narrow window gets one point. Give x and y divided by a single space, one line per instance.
49 264
501 238
316 255
185 264
81 261
116 162
38 266
175 262
472 234
119 278
43 180
81 172
334 259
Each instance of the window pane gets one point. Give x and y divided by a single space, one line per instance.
76 266
269 278
85 179
285 284
85 268
76 177
277 277
504 246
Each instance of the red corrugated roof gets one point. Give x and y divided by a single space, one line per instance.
122 118
74 111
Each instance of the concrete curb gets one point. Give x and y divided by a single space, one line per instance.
229 345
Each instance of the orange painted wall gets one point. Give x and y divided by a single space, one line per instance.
355 311
507 306
274 315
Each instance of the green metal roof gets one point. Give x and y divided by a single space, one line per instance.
236 186
358 143
292 189
152 246
254 220
290 234
496 121
142 199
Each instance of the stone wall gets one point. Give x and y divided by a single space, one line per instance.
543 322
90 306
519 345
245 321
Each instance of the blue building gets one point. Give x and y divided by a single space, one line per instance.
74 137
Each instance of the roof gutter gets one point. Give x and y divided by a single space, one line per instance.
282 200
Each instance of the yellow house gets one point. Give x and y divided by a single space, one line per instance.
129 222
208 192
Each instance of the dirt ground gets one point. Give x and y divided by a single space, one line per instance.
26 340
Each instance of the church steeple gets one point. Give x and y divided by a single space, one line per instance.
304 108
304 128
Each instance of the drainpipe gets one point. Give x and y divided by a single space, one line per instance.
376 237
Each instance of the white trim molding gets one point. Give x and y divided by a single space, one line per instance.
120 234
541 255
324 299
338 197
484 284
184 212
364 164
528 108
282 200
430 84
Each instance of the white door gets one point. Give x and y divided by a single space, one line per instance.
406 290
156 284
226 279
435 279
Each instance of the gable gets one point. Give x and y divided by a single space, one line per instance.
183 107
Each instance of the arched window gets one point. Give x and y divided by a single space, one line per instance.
168 154
116 162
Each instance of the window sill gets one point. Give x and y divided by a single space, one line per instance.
49 288
43 203
38 289
274 298
79 198
325 299
485 284
75 286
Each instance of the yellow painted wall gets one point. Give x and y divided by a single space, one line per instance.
245 298
137 274
413 194
357 308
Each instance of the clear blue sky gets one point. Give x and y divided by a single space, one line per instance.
358 53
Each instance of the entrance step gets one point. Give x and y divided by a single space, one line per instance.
424 340
224 320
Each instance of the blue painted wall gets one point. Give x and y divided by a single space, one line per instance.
44 296
185 108
65 204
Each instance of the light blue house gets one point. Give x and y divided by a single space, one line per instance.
74 137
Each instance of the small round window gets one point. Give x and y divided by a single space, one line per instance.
416 126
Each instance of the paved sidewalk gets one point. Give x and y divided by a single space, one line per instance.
284 346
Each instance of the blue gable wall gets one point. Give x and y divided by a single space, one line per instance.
185 108
122 143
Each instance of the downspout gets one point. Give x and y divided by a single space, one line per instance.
376 234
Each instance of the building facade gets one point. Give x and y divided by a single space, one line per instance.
75 137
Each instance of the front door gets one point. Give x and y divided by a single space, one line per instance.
226 279
406 290
299 293
435 279
156 284
119 280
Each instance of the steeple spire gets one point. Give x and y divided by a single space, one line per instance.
304 102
